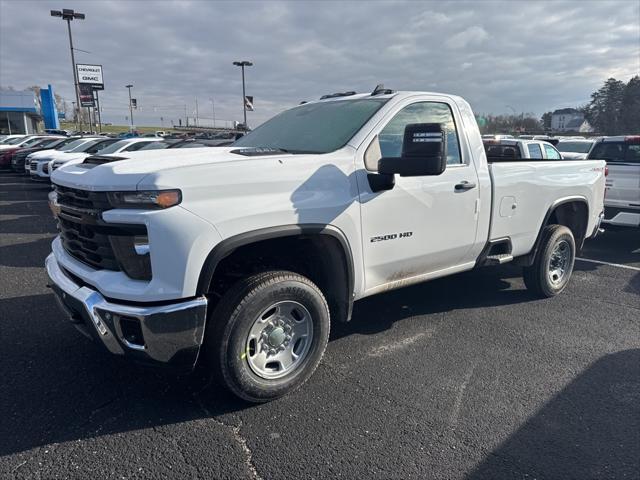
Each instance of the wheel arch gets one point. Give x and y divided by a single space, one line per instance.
336 271
573 213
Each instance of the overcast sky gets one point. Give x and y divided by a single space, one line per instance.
532 55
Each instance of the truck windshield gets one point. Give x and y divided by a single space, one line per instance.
313 128
574 147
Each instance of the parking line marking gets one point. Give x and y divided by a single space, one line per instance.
628 267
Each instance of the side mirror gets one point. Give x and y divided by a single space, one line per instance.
424 152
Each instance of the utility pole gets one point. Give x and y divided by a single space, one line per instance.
68 15
196 112
213 112
99 113
242 64
130 108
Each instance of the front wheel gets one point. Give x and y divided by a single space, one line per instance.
553 265
267 335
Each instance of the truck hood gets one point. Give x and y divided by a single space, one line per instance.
127 174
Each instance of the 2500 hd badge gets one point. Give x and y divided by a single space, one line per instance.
391 236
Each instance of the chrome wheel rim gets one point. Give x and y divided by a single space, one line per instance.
279 340
559 262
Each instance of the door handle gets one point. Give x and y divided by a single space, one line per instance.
464 185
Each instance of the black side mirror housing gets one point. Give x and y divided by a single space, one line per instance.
424 152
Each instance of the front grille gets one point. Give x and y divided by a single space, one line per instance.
45 168
84 235
74 198
33 166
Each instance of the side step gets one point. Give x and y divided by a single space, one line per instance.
498 259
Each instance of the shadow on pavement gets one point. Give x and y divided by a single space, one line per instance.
481 288
573 436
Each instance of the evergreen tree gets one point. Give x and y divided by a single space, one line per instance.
603 112
630 114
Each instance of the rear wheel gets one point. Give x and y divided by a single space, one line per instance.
267 335
553 265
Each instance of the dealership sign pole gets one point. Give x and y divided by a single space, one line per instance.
90 81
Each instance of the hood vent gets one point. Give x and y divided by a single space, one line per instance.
94 160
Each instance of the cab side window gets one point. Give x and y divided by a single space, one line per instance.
534 150
552 153
388 143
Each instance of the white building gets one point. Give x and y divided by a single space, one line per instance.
569 120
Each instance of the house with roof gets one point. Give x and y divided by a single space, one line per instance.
569 120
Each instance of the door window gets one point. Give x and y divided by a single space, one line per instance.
633 154
388 143
534 150
551 152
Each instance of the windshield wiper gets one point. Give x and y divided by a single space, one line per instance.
257 151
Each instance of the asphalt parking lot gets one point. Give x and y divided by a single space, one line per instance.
463 377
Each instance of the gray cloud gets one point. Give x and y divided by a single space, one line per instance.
534 56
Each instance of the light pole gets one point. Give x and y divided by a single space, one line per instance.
213 112
130 107
242 64
515 117
68 15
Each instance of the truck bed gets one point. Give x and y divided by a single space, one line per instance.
524 190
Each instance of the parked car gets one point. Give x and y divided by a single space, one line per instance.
8 155
253 249
8 139
19 161
117 147
23 141
622 200
574 149
511 149
39 168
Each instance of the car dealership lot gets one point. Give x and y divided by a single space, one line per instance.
466 376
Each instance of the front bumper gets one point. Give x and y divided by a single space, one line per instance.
159 334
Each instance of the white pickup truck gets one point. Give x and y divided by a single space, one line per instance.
240 257
622 198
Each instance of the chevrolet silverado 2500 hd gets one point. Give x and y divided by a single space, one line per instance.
239 257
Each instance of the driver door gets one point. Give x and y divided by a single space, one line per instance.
424 224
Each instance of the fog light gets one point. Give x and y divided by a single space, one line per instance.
141 244
53 203
132 254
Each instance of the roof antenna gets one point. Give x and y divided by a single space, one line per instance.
380 90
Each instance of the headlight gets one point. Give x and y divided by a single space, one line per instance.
157 199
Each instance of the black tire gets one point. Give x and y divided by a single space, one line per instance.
228 326
536 277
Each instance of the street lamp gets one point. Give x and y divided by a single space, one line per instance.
130 107
68 15
242 64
